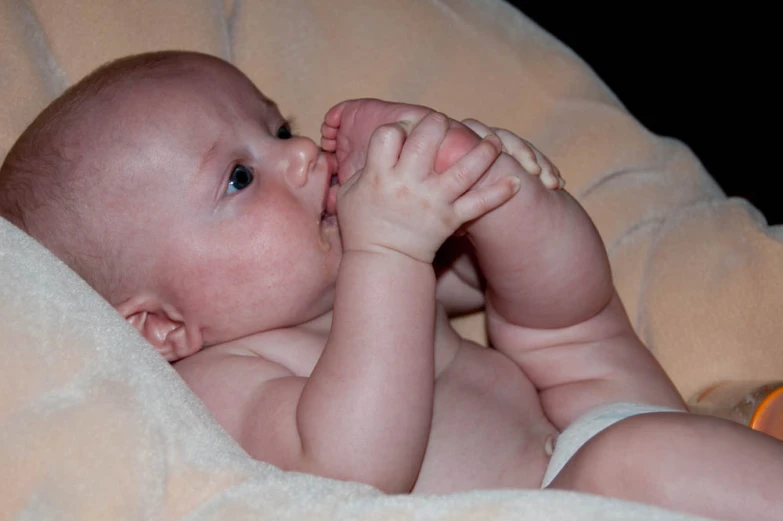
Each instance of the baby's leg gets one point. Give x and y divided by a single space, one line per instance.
691 463
551 304
348 126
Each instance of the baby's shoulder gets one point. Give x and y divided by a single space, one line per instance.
215 371
228 377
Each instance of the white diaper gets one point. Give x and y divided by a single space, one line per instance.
587 426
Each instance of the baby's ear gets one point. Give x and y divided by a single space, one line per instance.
163 328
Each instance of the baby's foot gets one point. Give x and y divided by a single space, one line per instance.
348 126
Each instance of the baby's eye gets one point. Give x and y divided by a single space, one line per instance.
240 178
284 132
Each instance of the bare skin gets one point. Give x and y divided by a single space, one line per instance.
577 354
303 312
549 365
348 125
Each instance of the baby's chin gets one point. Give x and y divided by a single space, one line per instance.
329 232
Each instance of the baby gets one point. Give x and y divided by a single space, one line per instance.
293 288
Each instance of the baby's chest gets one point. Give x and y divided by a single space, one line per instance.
488 428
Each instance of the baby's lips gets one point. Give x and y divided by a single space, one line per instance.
331 200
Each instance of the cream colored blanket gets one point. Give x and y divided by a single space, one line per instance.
93 426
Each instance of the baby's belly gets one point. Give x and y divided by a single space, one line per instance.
488 428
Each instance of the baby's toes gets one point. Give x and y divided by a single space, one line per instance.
328 131
330 128
328 137
334 116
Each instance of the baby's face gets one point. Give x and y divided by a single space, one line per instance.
233 213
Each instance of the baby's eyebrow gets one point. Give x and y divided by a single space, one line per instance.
269 104
207 157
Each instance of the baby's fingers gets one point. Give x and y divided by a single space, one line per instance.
532 160
463 174
478 127
481 201
421 146
513 145
385 145
527 155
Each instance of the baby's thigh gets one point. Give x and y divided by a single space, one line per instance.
688 462
625 457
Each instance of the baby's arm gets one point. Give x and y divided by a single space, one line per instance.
551 303
364 413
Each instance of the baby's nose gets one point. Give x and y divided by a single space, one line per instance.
302 155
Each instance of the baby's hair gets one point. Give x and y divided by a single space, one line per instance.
38 191
36 156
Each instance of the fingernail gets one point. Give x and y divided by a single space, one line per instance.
407 126
495 141
515 183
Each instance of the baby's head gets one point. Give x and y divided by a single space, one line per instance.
176 189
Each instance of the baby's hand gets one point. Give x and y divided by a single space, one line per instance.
529 157
398 203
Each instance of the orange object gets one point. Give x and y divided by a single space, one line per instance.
756 404
768 416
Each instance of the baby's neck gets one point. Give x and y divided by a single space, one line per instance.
297 348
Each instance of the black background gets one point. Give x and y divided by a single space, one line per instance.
691 71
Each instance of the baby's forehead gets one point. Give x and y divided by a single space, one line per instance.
184 109
216 89
165 100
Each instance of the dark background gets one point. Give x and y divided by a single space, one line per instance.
694 72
